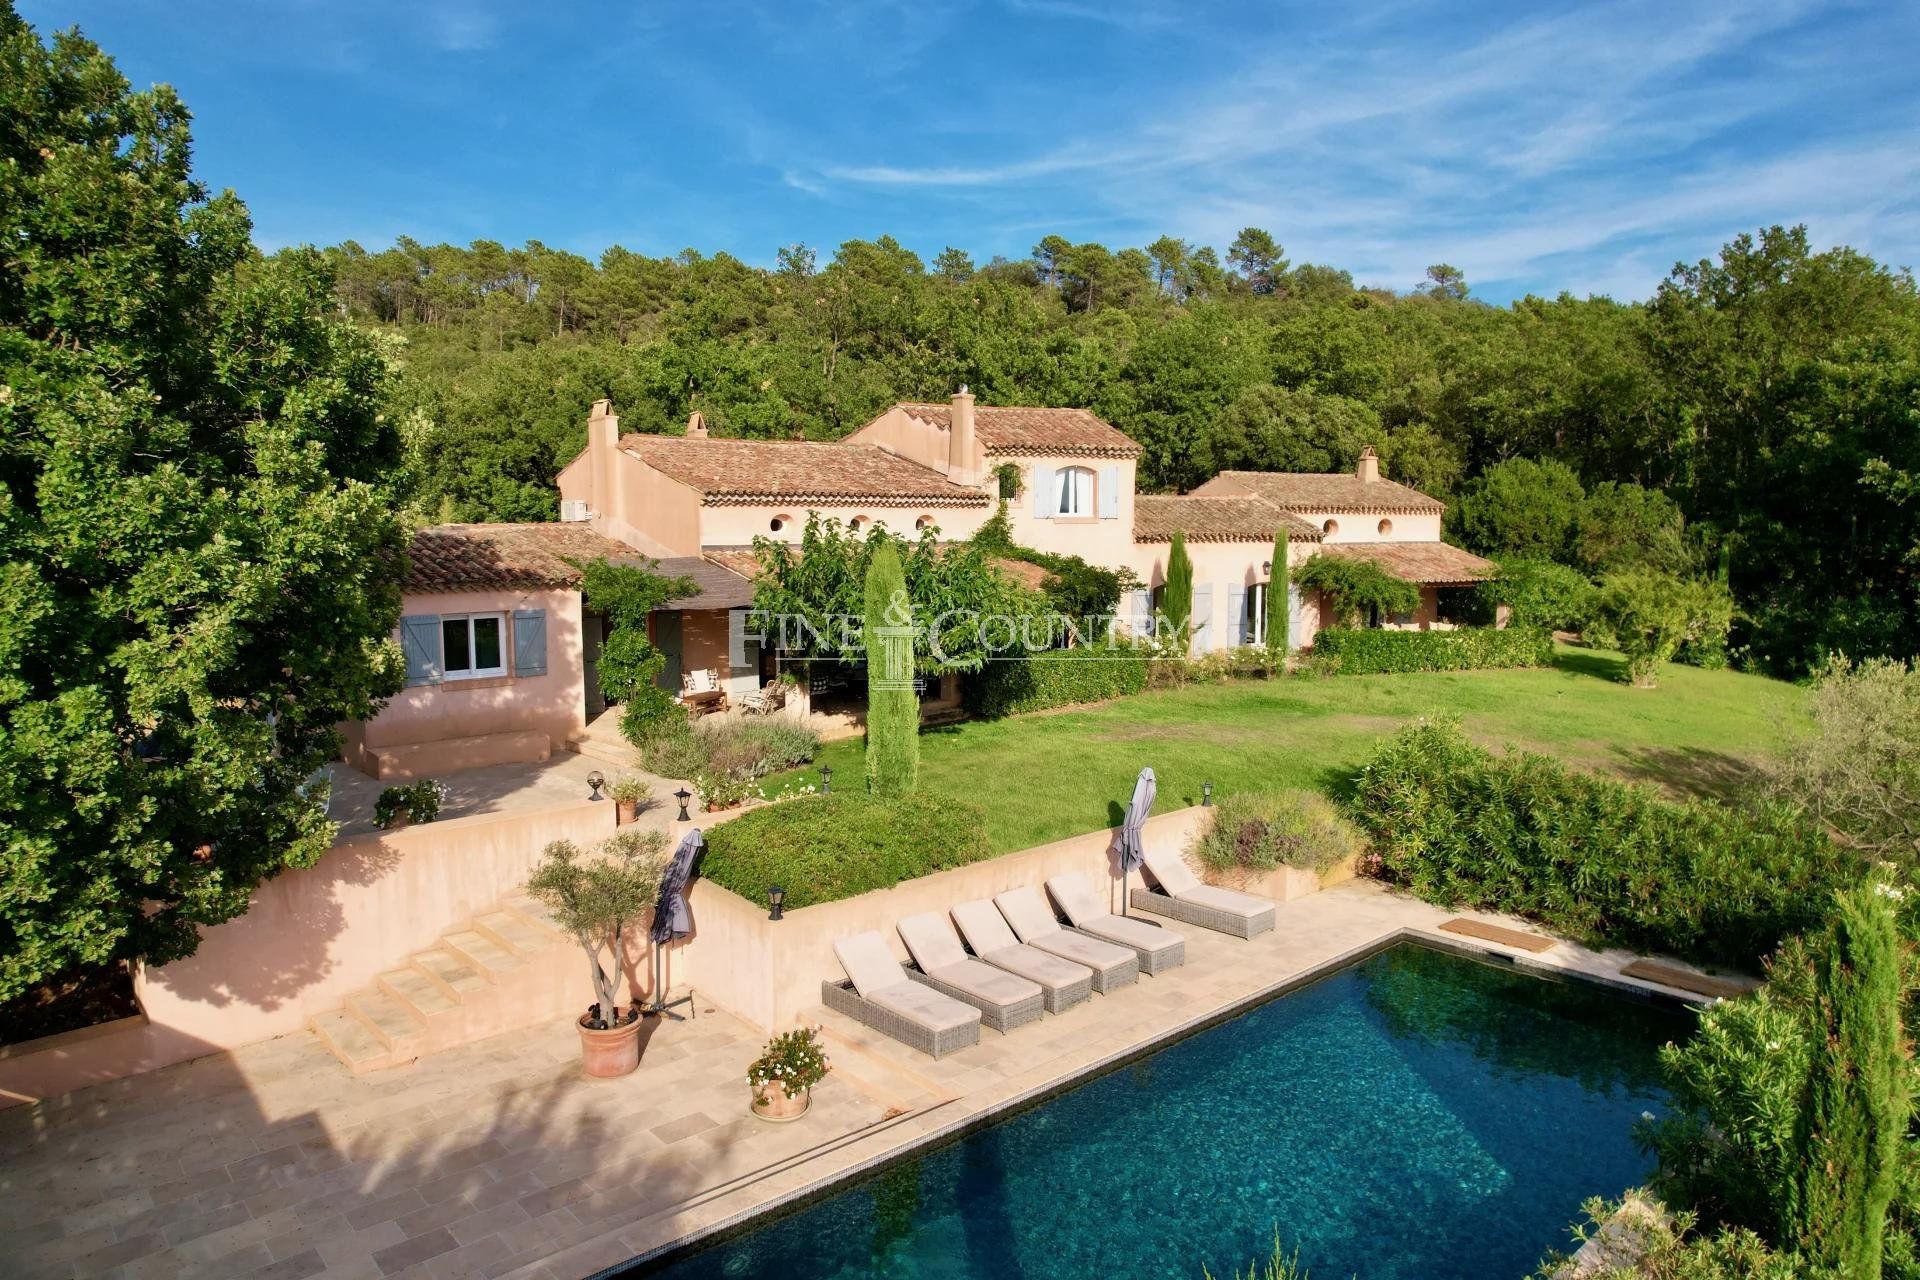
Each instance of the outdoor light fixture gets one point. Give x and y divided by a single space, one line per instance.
1206 794
595 781
1266 568
683 795
826 778
776 897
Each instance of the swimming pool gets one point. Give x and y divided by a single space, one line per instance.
1418 1114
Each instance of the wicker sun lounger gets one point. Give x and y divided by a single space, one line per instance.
1063 982
1159 949
1005 1000
884 998
1028 915
1186 899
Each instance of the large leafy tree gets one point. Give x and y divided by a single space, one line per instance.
198 552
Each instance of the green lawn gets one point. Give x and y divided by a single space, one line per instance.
1044 776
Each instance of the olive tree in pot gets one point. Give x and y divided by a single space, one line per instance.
600 897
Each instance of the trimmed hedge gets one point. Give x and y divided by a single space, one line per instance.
1371 652
1590 857
822 848
1057 678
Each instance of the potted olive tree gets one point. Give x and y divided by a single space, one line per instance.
600 897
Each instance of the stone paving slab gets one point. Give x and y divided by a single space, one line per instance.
499 1159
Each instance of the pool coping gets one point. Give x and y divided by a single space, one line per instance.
650 1261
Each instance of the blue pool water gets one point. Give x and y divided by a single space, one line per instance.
1416 1116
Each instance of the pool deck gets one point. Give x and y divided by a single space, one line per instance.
499 1159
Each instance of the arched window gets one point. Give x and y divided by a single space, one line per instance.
1073 492
779 522
1331 526
1386 528
924 522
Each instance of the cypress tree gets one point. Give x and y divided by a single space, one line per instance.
1176 597
1278 615
1855 1117
893 709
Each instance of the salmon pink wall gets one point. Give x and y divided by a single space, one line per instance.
554 703
738 526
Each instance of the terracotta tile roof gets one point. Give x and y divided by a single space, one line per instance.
1314 491
721 586
1215 518
465 557
751 472
1433 564
1018 430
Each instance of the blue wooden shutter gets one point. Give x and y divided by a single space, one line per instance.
529 642
1045 498
1203 617
420 642
1109 493
1237 614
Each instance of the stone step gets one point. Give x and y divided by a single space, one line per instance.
535 910
352 1041
514 931
492 960
451 971
391 1020
615 751
417 990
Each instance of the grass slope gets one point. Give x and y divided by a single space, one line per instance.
1045 776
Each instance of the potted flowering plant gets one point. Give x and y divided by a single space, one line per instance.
629 792
783 1076
600 898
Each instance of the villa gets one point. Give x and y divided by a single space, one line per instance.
501 651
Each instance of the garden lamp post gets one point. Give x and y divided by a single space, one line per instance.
826 779
1206 794
776 899
683 795
595 781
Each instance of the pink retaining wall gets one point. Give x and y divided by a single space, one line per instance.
311 936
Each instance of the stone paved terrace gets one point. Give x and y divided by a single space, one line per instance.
500 788
498 1159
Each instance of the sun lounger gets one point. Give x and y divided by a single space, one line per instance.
881 995
1005 1001
1028 915
1185 898
1159 949
1063 982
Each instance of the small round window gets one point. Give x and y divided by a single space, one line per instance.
778 523
858 523
924 522
1386 527
1331 526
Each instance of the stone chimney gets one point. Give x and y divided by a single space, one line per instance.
960 439
696 426
1369 469
603 438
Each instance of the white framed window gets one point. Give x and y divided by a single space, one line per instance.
473 645
1253 615
1073 492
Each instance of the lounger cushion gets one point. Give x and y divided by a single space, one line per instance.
977 978
984 928
1246 905
1027 912
924 1005
1171 872
870 962
932 941
1077 898
1033 963
1081 949
1133 933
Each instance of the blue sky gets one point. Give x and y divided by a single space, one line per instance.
1536 146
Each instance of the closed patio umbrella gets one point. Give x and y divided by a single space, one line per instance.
1133 848
670 918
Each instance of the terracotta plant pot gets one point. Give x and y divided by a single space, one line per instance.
770 1102
625 811
614 1052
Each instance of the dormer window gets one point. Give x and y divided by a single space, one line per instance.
1074 496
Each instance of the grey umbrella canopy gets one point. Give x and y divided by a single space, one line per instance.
1133 846
670 918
